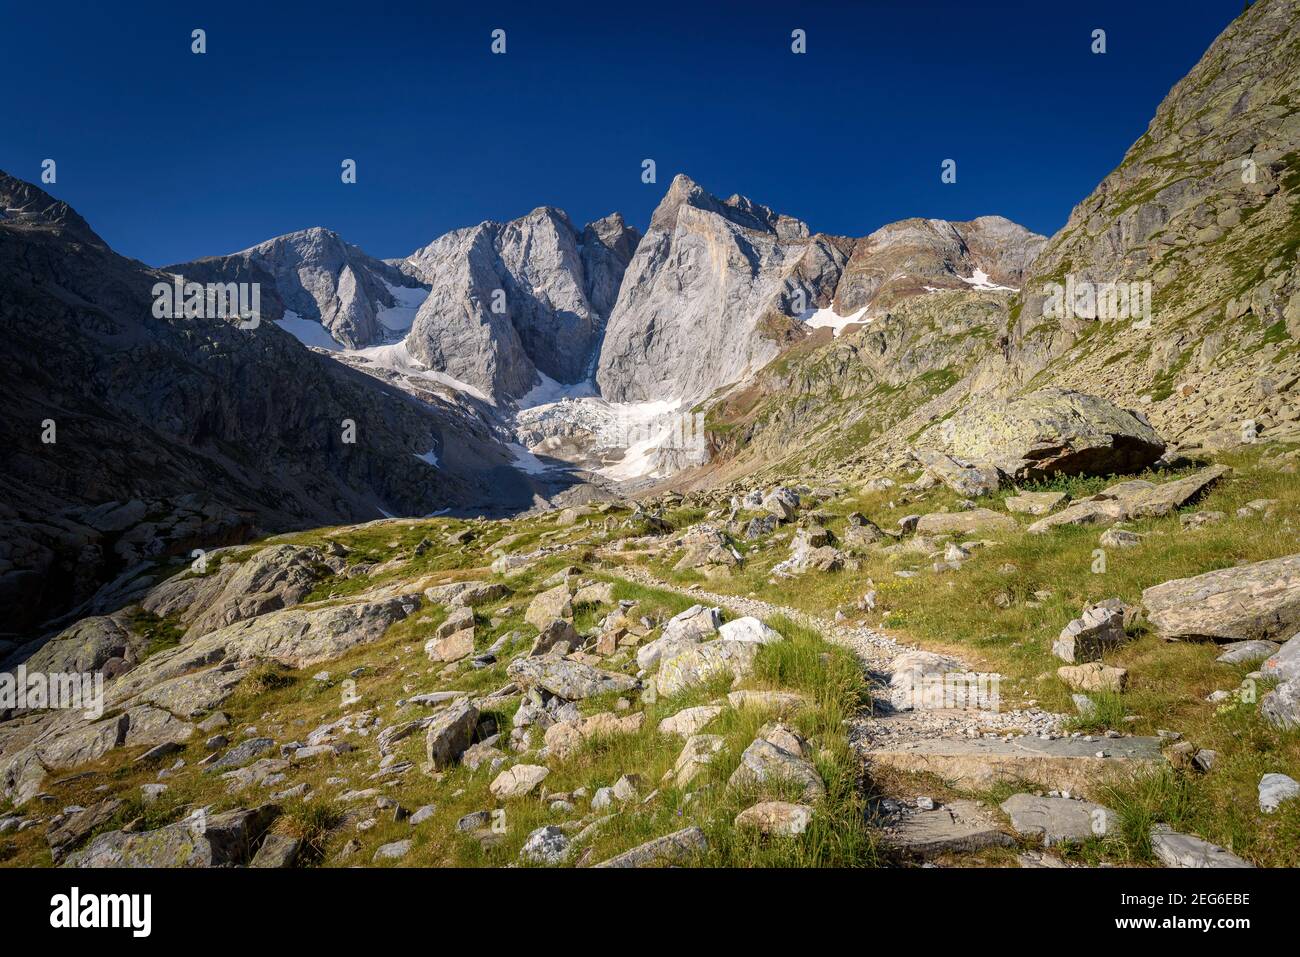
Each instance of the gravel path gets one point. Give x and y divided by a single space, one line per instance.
876 653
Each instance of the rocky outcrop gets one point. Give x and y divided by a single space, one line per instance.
918 256
1203 208
274 578
203 840
1133 499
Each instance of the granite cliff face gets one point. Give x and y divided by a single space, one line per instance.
318 277
510 300
697 299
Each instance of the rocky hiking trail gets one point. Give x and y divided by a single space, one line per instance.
972 749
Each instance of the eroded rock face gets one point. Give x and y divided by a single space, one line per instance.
510 300
276 577
1048 432
299 637
88 646
914 256
707 293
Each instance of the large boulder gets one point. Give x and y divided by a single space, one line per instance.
1241 603
554 603
1100 629
683 630
764 765
1048 432
201 840
967 479
87 646
1285 661
518 780
450 733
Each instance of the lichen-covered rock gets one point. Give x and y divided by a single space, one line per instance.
201 840
764 764
571 680
1049 432
450 733
701 663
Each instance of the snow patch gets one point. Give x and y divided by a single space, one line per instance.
827 319
981 281
526 461
428 458
308 331
398 359
548 390
401 317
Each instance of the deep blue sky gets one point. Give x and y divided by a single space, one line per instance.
172 156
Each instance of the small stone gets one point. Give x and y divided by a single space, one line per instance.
1274 789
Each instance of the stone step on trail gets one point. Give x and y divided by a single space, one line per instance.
957 827
1067 764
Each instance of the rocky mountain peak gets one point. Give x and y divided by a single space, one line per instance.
314 275
24 204
516 300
